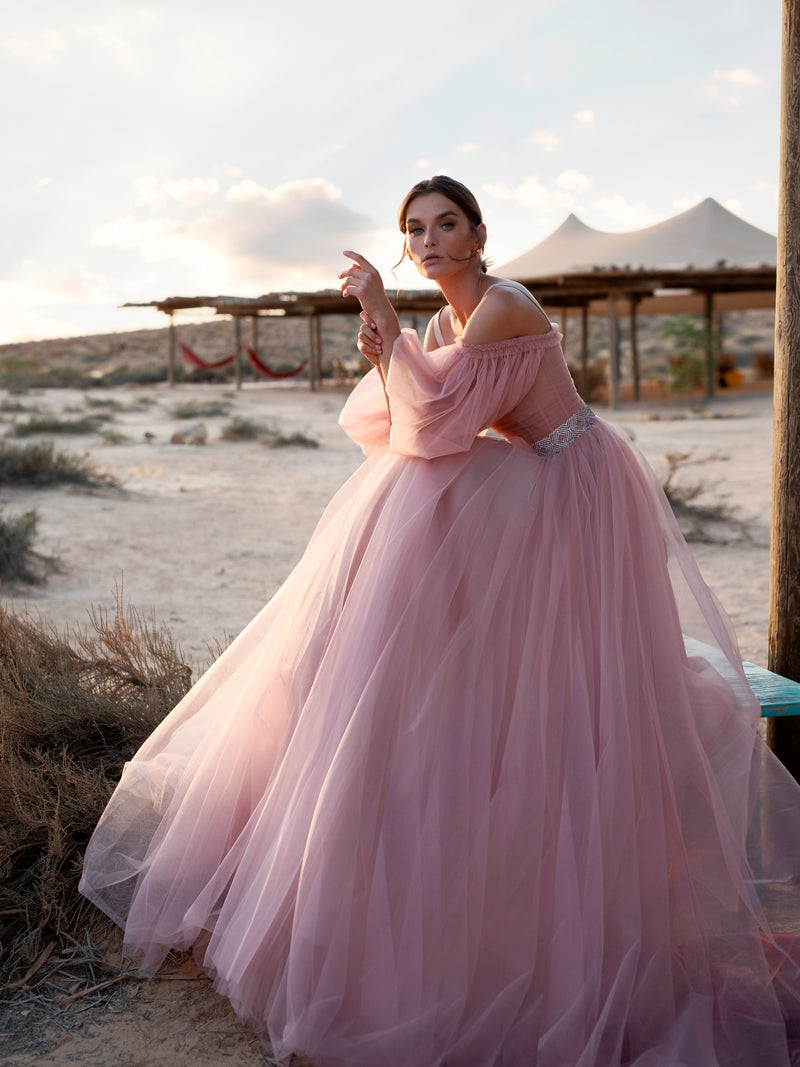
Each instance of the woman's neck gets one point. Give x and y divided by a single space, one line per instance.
463 294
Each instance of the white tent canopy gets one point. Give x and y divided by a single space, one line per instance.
705 237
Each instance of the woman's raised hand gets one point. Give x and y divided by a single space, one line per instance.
361 280
380 327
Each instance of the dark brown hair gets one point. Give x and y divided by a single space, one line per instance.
453 190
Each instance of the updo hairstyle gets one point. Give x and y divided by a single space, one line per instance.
453 190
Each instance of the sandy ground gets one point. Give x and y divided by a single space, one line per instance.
203 535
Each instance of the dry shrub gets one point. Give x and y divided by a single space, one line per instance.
19 560
39 464
269 434
73 709
39 424
712 523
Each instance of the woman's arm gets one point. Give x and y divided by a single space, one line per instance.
381 327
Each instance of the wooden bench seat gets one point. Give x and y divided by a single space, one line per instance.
776 695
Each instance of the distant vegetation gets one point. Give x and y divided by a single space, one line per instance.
19 560
269 434
39 464
43 424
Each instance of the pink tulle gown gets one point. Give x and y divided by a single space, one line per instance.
481 785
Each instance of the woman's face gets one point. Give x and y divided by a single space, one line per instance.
440 239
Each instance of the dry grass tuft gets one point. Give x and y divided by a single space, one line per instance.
39 464
199 409
268 434
19 560
73 709
42 424
710 523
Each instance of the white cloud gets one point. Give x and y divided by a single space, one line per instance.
586 116
422 163
683 203
771 188
546 139
151 192
35 288
191 191
115 37
726 85
574 180
259 237
470 146
43 182
738 76
532 195
624 215
43 47
734 205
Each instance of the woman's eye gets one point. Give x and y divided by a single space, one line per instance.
447 225
415 231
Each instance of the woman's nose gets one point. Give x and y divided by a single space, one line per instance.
429 239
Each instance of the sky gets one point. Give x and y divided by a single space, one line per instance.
182 148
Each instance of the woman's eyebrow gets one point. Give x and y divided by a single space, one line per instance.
442 215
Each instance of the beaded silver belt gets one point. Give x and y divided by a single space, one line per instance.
558 439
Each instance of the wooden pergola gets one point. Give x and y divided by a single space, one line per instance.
615 292
311 306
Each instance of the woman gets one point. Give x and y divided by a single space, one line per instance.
477 787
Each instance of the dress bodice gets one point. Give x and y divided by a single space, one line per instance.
549 403
441 400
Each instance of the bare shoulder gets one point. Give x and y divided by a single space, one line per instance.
506 310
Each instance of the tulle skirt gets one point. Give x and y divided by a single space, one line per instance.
479 787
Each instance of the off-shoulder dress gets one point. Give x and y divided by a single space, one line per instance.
481 785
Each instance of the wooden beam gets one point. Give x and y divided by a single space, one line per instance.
784 621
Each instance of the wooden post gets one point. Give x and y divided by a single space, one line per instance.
237 362
585 351
171 357
708 344
315 352
254 343
635 298
613 351
783 734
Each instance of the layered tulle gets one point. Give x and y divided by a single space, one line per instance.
459 796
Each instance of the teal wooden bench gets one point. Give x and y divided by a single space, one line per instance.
776 695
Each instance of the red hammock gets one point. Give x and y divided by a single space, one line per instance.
191 357
260 365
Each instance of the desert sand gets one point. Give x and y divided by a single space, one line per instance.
201 536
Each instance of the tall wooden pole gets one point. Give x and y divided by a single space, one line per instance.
783 734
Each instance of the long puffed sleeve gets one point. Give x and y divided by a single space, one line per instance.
365 416
441 400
